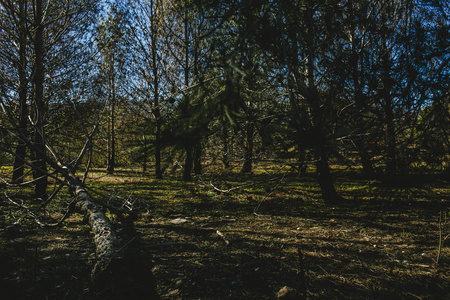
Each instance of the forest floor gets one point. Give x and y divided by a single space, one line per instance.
261 232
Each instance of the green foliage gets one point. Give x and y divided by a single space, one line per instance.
243 81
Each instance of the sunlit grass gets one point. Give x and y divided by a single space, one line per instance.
382 237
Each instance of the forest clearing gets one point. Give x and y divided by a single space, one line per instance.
224 149
381 242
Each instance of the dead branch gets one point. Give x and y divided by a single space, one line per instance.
440 238
231 189
223 237
30 212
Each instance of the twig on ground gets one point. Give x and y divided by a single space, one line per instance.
223 237
440 238
126 244
230 189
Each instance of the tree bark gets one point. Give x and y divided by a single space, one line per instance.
144 159
357 77
157 110
319 138
21 148
225 151
105 238
302 164
248 150
365 160
116 274
188 163
387 83
198 158
329 193
391 157
40 172
158 170
111 163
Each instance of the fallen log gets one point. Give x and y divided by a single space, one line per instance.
118 272
105 238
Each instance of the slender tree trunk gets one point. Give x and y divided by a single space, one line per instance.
310 93
23 87
302 164
198 158
229 94
108 144
390 140
111 164
329 192
293 63
225 151
391 157
157 110
325 178
144 159
360 100
40 172
359 142
248 151
188 163
158 170
313 99
365 159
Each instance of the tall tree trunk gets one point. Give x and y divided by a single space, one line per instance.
18 171
366 163
144 159
360 101
391 157
158 171
302 164
157 110
188 163
198 158
248 151
292 63
329 193
390 138
225 151
325 178
40 172
111 164
108 144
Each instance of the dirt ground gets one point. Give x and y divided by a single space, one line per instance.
261 232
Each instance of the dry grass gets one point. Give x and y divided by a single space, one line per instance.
381 243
